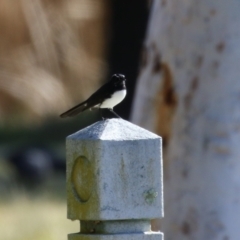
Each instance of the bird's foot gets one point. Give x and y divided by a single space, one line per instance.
111 110
101 113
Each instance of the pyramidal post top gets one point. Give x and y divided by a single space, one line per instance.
113 129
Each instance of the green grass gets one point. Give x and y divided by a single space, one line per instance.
40 213
25 218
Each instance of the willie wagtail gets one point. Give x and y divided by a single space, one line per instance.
107 96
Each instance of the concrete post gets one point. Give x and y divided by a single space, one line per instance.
114 181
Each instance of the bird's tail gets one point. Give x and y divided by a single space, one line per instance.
75 110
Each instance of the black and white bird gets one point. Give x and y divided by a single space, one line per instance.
107 96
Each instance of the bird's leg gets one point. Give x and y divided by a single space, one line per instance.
111 110
100 110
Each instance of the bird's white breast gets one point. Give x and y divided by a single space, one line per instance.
116 98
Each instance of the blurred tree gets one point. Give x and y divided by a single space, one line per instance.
51 55
188 92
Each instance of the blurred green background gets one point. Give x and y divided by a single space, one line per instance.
54 54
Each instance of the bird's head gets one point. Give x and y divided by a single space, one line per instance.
118 80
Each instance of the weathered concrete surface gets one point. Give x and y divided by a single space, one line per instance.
114 181
114 172
113 227
130 236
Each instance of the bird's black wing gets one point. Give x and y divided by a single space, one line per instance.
73 111
96 98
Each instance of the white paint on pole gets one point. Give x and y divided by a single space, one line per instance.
114 181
